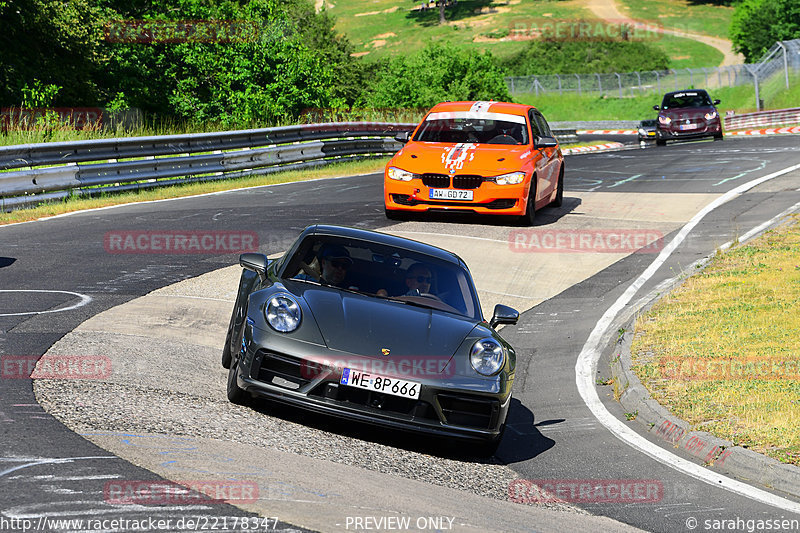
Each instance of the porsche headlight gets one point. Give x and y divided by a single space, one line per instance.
512 178
711 116
399 174
283 313
487 357
664 120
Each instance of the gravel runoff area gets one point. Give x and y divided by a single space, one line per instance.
160 385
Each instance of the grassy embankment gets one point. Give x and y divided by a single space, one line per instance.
723 350
384 28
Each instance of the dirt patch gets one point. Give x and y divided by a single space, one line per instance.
377 43
358 54
389 10
386 35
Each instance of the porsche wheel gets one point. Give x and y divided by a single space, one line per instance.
236 394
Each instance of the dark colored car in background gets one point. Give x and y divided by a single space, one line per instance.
340 326
647 130
687 114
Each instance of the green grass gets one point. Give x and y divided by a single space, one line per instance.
742 309
572 107
396 28
707 19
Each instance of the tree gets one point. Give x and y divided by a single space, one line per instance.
758 24
437 73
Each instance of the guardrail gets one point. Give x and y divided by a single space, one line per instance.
89 167
51 171
763 118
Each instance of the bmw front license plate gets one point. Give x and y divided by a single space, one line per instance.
450 194
367 381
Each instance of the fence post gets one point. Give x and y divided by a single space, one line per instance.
691 78
705 73
536 85
560 93
639 77
599 83
579 83
785 64
619 82
512 84
658 81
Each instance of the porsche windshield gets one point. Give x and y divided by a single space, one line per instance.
494 129
381 271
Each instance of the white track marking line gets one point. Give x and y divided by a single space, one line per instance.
586 366
84 300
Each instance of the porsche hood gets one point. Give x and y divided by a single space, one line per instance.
365 326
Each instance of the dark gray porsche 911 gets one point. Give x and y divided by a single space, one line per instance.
374 328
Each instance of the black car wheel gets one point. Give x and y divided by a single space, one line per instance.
489 448
530 210
660 142
236 394
393 214
559 190
718 136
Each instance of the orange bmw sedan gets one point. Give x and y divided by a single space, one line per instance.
483 157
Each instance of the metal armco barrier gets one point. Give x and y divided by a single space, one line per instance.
143 162
110 165
763 118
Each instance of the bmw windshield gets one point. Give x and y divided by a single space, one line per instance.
478 128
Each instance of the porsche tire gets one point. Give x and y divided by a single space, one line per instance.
235 393
489 448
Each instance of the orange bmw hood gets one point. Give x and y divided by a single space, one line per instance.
463 158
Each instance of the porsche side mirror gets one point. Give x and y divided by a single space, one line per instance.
657 108
546 142
504 314
716 102
403 136
256 262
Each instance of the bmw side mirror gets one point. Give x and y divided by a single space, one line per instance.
504 314
546 142
657 108
716 102
403 136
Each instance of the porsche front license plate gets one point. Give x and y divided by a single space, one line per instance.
450 194
393 386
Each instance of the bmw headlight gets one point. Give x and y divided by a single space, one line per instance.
710 116
399 174
512 178
487 357
283 313
664 120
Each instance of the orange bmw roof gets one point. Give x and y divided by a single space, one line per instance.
495 107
